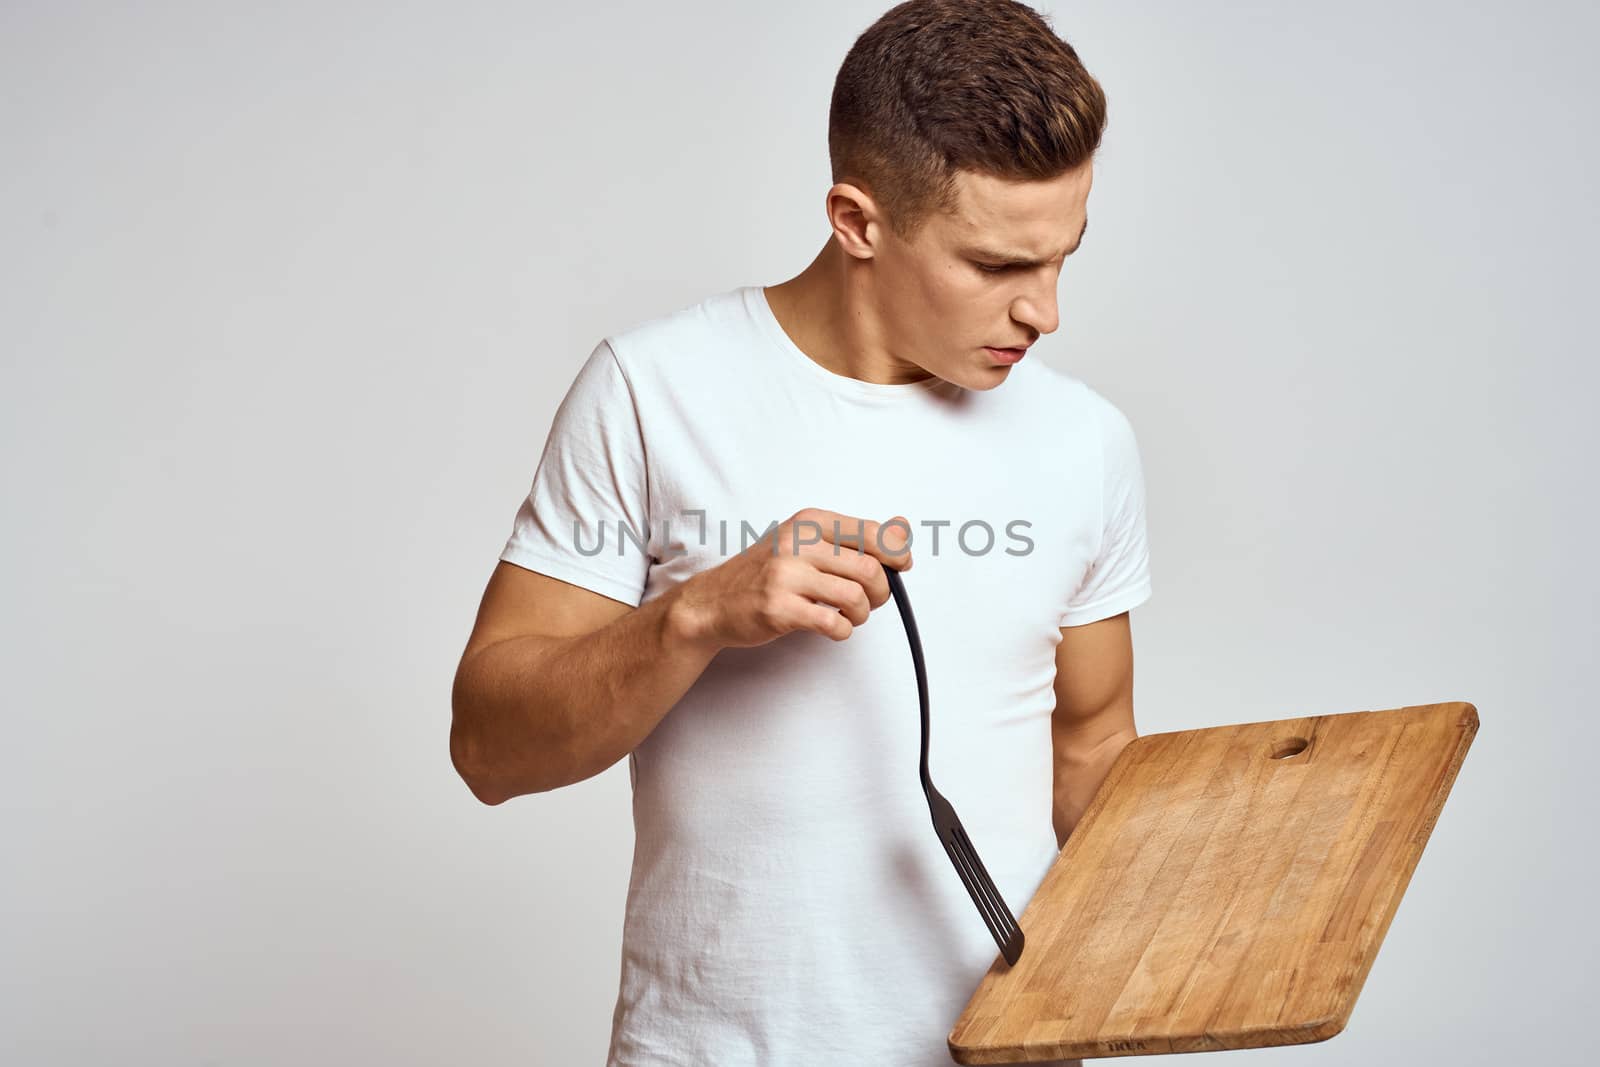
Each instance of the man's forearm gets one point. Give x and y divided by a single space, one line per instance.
536 713
1080 770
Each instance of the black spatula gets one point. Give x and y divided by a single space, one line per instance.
1007 934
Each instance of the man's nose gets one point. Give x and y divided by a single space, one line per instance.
1038 310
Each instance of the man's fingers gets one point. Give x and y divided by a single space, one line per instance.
842 592
829 623
895 537
861 569
888 542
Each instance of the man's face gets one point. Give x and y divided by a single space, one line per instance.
982 276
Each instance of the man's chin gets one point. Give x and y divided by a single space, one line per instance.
986 377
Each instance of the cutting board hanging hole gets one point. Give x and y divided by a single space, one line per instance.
1292 746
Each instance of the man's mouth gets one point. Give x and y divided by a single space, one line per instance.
1006 355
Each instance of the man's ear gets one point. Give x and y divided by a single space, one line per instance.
855 219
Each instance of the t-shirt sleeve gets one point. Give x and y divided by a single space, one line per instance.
585 519
1119 577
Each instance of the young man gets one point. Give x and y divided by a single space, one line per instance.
790 902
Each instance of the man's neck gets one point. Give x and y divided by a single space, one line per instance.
829 312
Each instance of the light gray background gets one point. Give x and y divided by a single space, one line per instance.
291 294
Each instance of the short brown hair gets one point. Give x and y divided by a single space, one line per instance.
939 86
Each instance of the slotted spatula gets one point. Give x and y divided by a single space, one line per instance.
1007 934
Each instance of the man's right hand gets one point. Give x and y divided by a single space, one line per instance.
818 570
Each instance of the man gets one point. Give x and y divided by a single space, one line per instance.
789 901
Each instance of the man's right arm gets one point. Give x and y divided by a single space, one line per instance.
558 682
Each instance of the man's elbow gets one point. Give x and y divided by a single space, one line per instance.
467 749
470 769
1083 733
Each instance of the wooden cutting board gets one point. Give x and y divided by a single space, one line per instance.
1226 888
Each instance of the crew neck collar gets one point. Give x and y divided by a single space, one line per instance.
760 307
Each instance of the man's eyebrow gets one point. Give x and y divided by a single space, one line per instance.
1018 259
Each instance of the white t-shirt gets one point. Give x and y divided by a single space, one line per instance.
790 902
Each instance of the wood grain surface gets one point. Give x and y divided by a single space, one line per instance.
1226 888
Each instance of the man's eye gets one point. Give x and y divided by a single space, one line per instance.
988 268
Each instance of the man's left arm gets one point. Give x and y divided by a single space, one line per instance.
1093 718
